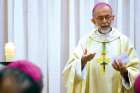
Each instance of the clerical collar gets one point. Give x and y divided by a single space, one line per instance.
113 34
105 32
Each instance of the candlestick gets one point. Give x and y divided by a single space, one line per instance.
9 51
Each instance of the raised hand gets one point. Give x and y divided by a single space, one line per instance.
119 66
86 57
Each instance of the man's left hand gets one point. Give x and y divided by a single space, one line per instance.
119 66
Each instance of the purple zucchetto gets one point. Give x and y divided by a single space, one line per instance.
28 68
100 5
137 84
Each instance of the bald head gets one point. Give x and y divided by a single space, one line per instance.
100 5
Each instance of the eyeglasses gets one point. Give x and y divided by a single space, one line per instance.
101 18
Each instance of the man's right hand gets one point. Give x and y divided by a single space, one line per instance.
86 57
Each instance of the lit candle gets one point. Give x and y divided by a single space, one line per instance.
9 51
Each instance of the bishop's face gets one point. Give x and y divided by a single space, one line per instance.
103 17
8 85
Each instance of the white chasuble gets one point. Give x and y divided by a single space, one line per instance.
98 75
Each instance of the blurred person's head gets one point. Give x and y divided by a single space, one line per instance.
137 84
21 77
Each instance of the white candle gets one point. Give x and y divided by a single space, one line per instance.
10 51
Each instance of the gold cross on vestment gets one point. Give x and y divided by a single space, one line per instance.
103 60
